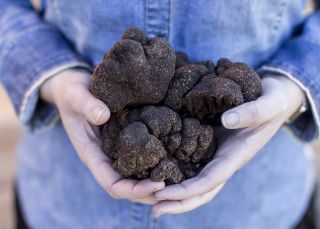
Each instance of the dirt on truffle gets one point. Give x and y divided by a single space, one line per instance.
163 105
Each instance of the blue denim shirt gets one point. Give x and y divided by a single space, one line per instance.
272 35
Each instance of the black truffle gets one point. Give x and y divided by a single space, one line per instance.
136 71
163 106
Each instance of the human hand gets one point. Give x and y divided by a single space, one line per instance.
252 125
80 113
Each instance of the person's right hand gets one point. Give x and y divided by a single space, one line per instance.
80 111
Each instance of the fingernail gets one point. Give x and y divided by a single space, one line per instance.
231 119
101 114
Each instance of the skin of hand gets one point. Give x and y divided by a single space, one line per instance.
81 113
251 125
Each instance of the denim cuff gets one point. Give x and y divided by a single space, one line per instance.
27 59
306 127
35 113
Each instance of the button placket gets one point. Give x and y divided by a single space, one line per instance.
157 18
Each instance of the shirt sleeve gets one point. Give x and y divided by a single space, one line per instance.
31 51
299 59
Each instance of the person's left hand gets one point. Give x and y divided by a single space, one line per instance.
254 124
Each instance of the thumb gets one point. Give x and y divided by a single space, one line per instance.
93 109
269 106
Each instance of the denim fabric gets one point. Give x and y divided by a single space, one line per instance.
31 51
56 189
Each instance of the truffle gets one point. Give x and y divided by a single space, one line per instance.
213 95
136 71
140 139
163 106
137 150
247 78
167 170
222 65
184 79
182 59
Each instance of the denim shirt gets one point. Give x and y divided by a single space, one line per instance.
271 35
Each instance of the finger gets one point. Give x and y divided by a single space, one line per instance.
267 107
118 187
134 189
231 156
150 200
84 103
89 151
181 206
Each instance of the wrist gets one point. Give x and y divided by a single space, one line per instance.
295 96
57 86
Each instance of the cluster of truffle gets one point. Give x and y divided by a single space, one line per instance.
164 107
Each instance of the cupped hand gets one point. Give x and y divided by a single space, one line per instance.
252 125
80 113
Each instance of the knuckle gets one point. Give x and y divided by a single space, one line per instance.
83 102
255 113
135 190
206 179
84 160
68 94
112 192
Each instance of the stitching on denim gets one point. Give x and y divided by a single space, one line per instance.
136 215
167 27
153 222
147 16
279 19
10 43
157 18
54 7
170 17
309 93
